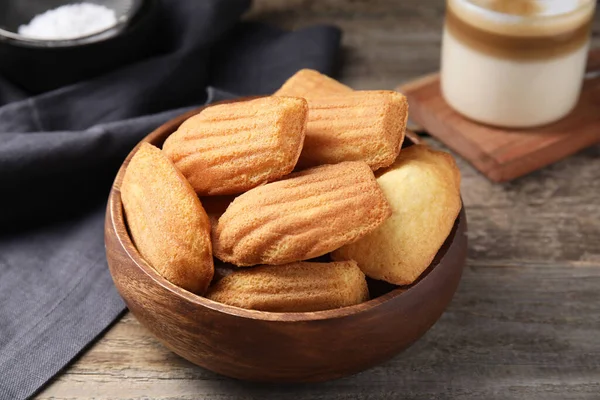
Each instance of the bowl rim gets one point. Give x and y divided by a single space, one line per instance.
117 220
27 41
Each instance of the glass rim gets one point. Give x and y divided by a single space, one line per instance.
475 6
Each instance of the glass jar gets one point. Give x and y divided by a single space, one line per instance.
515 63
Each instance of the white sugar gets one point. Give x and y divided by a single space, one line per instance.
69 22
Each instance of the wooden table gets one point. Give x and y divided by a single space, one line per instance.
525 322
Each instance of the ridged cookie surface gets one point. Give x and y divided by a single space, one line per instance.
167 222
358 126
296 287
423 189
230 148
310 84
305 215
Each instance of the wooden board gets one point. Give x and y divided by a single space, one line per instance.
506 154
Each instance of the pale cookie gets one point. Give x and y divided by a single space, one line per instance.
423 189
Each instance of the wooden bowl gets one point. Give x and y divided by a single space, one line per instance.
278 347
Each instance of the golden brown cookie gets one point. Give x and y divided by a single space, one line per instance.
358 126
310 84
423 189
296 287
167 222
230 148
306 215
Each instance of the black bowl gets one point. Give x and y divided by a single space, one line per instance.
38 66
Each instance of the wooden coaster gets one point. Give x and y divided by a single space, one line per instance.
506 154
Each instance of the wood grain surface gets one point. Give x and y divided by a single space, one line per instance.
525 322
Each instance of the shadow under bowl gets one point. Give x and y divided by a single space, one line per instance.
278 347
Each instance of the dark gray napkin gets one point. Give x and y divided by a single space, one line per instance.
59 152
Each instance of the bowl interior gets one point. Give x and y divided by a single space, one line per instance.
380 291
14 13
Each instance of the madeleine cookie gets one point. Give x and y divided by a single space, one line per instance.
167 222
423 189
310 84
306 215
358 126
230 148
296 287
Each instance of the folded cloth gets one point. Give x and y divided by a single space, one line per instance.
60 150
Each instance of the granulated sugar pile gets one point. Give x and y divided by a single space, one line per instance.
69 22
